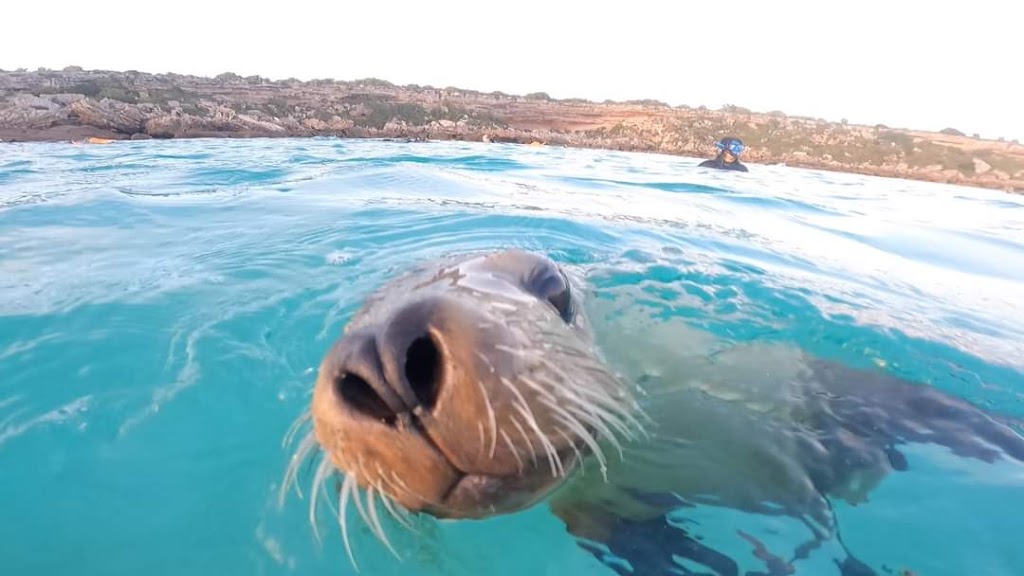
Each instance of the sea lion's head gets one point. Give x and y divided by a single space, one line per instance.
466 390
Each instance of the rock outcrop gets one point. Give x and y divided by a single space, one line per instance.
73 104
110 114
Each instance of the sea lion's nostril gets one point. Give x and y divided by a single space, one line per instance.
357 393
423 370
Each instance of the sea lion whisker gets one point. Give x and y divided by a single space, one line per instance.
599 394
610 395
621 413
545 443
311 463
584 435
347 488
641 414
577 415
389 505
529 444
602 420
541 390
400 484
362 480
365 485
366 512
582 405
330 502
487 361
375 523
521 402
382 476
307 446
544 393
492 421
513 450
596 393
602 397
483 440
531 420
293 429
592 413
322 471
585 360
572 444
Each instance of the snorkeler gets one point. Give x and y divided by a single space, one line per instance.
729 150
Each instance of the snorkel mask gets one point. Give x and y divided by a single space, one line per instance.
733 145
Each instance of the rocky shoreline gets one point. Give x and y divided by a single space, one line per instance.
74 104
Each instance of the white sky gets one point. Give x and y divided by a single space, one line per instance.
908 63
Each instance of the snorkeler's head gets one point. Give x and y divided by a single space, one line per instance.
731 145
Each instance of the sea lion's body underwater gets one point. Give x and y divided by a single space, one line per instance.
474 387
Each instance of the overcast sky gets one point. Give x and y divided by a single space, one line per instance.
907 63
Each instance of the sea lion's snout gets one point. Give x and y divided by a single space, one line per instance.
393 372
469 393
427 405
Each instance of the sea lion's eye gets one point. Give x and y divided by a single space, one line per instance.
562 299
552 285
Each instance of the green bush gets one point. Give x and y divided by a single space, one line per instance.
381 112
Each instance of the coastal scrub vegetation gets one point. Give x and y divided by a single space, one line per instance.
230 104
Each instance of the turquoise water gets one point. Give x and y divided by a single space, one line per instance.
163 306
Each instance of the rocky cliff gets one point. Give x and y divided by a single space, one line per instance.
73 104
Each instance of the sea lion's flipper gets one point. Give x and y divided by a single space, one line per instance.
661 509
648 547
861 418
675 542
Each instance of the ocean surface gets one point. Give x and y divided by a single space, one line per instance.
164 305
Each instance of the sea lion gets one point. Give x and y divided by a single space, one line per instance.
476 387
